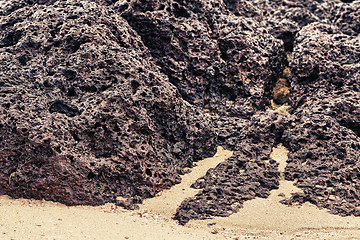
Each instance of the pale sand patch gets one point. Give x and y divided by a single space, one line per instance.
269 218
280 154
168 201
284 109
259 219
30 219
33 219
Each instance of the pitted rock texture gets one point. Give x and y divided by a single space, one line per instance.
324 144
85 114
249 173
322 54
217 60
103 99
324 60
225 188
324 155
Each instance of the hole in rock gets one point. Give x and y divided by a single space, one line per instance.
135 85
180 11
288 39
75 136
71 158
57 149
91 175
11 39
148 172
87 88
69 74
60 106
23 59
71 92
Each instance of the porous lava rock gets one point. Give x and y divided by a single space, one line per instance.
324 60
249 173
86 116
324 144
322 53
218 60
103 99
324 154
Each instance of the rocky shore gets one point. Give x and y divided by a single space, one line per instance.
102 100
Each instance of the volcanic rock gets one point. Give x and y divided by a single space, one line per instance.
103 100
321 85
212 56
249 173
325 94
85 114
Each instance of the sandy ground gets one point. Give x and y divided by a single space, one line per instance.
259 219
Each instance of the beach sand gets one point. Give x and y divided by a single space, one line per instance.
258 219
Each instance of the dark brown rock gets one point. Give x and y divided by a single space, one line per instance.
105 98
324 60
249 173
324 155
214 58
85 115
323 88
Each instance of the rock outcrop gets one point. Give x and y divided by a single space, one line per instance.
86 115
103 99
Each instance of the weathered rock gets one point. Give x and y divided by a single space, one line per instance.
105 98
324 142
212 56
346 16
226 187
324 59
324 154
85 115
323 82
249 173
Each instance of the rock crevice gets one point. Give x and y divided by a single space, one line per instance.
103 100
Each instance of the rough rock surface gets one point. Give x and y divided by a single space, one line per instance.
85 114
106 98
324 155
324 60
324 144
218 61
249 173
322 53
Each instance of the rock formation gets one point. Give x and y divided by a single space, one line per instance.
86 114
103 99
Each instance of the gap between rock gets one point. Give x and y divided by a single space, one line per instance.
167 201
261 215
